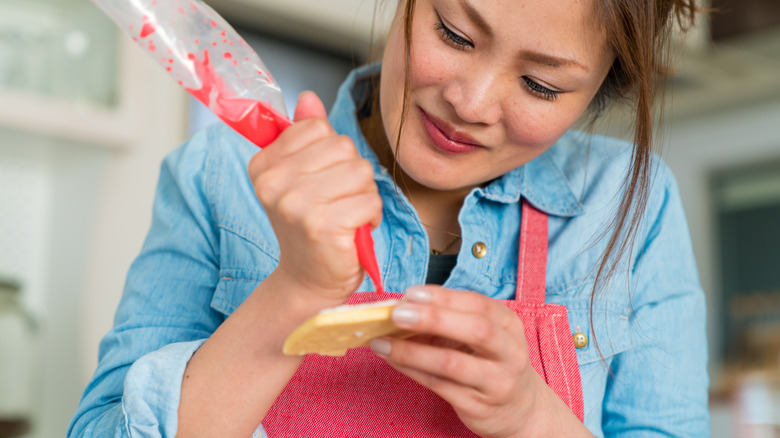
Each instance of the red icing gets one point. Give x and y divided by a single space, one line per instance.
261 124
367 257
253 119
147 30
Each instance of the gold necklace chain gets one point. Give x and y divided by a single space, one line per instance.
449 245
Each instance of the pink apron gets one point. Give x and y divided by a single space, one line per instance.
360 395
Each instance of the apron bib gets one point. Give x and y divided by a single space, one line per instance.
360 395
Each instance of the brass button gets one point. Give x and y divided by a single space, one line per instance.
580 340
479 250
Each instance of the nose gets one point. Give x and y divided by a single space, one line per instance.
475 98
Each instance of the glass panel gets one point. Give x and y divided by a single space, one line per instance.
64 49
748 215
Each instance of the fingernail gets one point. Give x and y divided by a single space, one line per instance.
417 295
380 346
405 315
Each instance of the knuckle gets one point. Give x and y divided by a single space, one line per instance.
313 227
482 330
451 364
473 406
256 165
365 170
433 382
266 188
374 203
288 206
483 306
319 126
432 317
343 147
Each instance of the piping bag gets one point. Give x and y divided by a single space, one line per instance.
207 57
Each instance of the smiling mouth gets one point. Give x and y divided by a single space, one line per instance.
446 139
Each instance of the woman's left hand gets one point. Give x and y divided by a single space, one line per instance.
472 352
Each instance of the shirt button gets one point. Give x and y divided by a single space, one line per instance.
580 340
479 250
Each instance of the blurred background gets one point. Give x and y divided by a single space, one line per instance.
86 118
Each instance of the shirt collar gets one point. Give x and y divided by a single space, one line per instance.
541 182
343 114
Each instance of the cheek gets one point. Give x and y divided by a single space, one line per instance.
432 63
539 124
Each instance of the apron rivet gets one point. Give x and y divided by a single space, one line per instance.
580 340
479 250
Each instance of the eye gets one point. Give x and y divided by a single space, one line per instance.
540 91
452 38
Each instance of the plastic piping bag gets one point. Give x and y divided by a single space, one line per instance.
206 56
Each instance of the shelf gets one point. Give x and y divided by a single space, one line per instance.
85 123
114 127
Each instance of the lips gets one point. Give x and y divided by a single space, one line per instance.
445 138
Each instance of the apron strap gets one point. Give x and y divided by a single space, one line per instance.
532 260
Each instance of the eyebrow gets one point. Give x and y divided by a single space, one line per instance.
476 18
539 58
552 61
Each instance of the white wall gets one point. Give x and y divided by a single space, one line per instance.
124 200
75 205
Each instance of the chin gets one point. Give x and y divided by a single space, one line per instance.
438 179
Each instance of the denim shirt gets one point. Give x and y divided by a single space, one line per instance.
210 244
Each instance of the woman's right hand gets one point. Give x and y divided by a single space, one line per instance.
317 190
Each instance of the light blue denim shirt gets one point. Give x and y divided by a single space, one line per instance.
210 244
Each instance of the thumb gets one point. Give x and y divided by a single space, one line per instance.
309 105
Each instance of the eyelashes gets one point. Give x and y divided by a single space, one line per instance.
459 43
452 38
539 90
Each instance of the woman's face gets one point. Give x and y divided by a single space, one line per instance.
494 83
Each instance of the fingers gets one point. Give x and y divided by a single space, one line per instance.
440 365
465 398
485 325
323 201
316 190
272 180
468 341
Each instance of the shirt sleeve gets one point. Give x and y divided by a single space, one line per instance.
164 314
659 386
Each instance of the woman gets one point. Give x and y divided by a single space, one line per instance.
459 152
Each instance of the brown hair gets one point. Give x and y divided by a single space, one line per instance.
639 34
